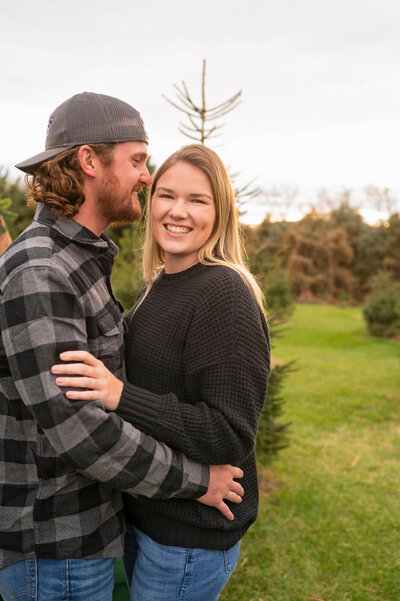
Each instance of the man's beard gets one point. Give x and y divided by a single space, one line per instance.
116 206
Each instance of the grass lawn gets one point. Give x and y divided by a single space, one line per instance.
330 528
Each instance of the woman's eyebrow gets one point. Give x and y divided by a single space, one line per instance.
202 194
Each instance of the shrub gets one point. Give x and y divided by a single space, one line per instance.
382 310
278 294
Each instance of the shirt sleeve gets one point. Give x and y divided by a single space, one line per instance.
227 363
41 316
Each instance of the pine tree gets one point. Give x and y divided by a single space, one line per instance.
272 435
203 126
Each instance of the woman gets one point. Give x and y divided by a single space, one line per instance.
197 358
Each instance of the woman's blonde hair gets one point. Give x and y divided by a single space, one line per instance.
224 246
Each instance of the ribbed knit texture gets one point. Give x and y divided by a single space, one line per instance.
197 358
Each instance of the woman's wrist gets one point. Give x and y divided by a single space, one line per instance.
117 389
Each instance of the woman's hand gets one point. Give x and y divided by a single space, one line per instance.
90 373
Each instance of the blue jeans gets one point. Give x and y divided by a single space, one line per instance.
58 580
163 573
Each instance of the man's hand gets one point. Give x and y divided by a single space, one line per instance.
222 486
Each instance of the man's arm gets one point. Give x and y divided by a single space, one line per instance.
40 316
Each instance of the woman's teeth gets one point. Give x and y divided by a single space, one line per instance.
177 229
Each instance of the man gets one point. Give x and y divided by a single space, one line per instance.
65 464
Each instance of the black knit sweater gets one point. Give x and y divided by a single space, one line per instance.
197 358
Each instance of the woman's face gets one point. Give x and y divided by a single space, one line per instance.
182 215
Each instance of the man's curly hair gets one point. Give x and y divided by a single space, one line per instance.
58 182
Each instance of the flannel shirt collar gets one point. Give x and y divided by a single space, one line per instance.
74 231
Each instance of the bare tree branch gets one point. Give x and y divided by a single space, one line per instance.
199 115
202 124
188 136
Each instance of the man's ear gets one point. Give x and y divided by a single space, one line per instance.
88 160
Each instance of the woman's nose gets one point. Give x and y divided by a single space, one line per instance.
178 209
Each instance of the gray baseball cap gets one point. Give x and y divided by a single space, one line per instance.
88 118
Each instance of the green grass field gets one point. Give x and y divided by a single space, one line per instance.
330 528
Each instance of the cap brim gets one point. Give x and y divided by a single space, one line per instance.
30 165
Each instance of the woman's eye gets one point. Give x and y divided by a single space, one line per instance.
165 196
198 200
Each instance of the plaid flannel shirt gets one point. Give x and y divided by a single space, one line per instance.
63 464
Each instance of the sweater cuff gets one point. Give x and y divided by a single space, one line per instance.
139 407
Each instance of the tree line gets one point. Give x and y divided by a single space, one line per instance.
329 256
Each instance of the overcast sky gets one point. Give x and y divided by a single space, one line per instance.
320 80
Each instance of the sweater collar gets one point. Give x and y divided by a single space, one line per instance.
169 279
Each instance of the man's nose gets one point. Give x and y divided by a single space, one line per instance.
145 177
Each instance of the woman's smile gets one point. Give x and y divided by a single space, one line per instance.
177 229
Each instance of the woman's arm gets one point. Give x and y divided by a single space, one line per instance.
207 433
226 370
